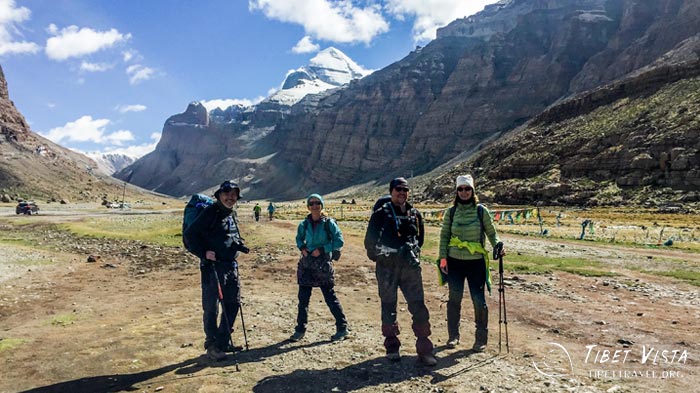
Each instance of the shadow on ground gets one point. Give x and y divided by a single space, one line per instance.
191 368
368 373
371 372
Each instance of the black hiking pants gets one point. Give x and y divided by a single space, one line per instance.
331 300
474 271
218 333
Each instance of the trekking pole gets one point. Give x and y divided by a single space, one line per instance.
224 317
240 308
502 318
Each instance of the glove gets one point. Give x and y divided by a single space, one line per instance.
335 255
443 265
371 255
242 248
498 250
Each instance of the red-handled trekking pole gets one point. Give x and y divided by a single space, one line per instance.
502 315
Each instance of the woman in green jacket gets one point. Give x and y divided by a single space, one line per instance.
463 256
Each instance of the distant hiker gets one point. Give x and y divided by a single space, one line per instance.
584 224
393 240
256 211
462 256
215 238
319 239
271 210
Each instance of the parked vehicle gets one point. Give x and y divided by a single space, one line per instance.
27 207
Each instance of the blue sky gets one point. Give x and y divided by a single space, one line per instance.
104 75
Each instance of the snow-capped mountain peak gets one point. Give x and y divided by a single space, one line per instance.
330 68
335 67
109 163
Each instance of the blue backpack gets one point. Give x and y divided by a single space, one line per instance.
196 204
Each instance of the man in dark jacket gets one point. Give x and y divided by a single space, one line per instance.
214 237
393 240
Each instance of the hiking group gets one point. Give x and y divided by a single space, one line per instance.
393 240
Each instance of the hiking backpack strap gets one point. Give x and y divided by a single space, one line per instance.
326 226
480 214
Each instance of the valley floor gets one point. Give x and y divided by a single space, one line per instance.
132 322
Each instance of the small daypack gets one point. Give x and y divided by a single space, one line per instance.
195 206
326 226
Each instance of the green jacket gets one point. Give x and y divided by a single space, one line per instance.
465 226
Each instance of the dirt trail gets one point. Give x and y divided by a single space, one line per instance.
132 322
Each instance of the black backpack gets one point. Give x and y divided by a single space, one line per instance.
380 202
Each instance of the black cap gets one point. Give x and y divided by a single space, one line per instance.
399 181
227 186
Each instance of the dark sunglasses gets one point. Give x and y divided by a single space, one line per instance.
314 203
401 189
460 189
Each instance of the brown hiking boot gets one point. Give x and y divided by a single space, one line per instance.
215 354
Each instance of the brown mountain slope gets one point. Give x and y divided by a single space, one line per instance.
33 167
636 141
438 102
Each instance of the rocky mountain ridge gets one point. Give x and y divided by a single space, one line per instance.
442 100
33 167
635 141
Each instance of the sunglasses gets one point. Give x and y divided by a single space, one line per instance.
314 203
401 189
461 189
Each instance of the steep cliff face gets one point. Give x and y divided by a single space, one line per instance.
462 89
481 77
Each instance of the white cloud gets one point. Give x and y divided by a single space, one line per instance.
87 129
94 67
119 137
336 21
9 17
130 108
306 45
136 151
76 42
431 14
226 102
82 130
127 55
139 73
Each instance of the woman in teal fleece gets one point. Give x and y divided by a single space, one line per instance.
463 256
318 236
